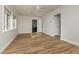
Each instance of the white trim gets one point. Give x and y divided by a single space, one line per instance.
7 44
48 34
72 42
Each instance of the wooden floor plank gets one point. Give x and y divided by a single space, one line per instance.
40 44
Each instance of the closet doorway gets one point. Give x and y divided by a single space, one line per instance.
58 25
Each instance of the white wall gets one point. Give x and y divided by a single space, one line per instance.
1 17
25 24
5 37
50 23
69 23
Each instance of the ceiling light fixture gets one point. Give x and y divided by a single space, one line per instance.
37 7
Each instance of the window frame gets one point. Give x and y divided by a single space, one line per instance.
8 20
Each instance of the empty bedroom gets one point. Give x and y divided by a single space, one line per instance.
39 29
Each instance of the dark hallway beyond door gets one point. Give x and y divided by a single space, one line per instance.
34 26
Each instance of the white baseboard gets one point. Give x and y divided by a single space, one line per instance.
7 44
74 43
71 42
49 34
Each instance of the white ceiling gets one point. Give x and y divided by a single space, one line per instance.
30 10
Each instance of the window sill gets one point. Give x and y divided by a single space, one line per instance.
8 30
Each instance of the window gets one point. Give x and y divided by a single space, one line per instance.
14 21
9 20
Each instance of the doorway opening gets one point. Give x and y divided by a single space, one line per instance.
58 25
34 26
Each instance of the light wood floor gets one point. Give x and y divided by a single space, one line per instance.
40 44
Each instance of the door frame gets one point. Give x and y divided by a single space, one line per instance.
36 25
59 28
